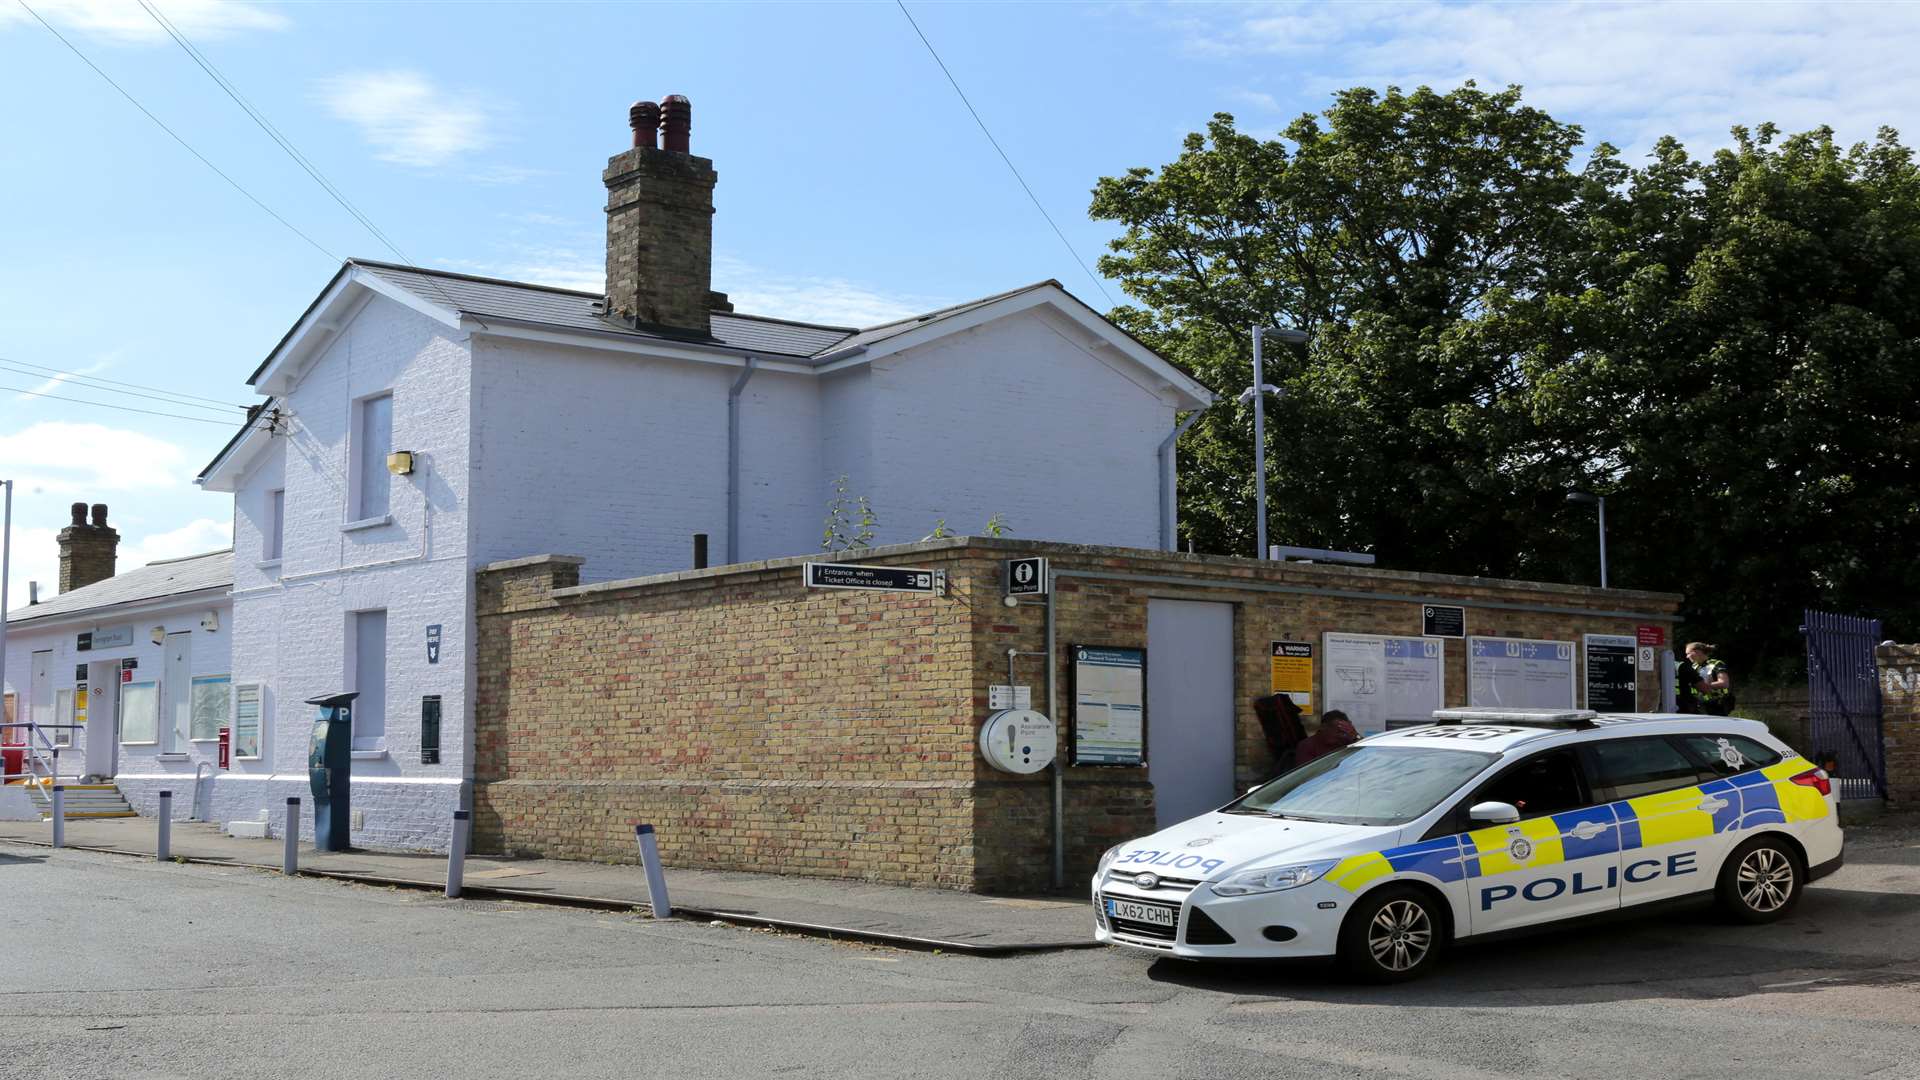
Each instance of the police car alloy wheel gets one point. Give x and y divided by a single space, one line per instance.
1395 934
1761 881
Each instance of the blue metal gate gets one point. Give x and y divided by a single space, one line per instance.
1844 713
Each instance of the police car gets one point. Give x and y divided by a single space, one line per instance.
1386 851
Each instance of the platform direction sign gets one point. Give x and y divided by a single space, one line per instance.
913 579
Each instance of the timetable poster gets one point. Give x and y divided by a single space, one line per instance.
1109 706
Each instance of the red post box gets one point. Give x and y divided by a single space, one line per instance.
226 747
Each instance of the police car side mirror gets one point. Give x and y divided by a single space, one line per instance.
1493 813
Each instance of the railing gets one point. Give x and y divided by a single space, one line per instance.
40 757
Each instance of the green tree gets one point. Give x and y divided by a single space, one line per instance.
1728 349
1380 229
1747 379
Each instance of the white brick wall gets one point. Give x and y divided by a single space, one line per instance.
1016 418
291 622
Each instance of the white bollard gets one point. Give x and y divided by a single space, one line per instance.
163 850
59 815
457 854
656 881
290 859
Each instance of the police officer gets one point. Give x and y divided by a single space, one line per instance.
1712 685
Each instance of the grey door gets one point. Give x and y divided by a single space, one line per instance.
1189 707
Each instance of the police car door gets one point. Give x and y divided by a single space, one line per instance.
1561 859
1669 847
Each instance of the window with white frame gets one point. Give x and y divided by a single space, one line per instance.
274 528
210 707
140 712
370 680
373 440
245 719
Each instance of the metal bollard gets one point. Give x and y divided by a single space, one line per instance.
656 881
59 815
164 849
457 854
290 859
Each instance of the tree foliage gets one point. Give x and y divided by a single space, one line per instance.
1726 349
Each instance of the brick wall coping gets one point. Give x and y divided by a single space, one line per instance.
1891 650
1256 573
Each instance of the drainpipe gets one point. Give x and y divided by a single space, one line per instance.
733 461
1169 493
1059 768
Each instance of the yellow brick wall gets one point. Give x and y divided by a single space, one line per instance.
763 726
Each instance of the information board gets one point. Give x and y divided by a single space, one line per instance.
1383 682
1519 673
1611 686
1292 672
1109 706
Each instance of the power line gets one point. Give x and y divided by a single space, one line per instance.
175 136
273 133
86 381
259 118
122 408
1097 283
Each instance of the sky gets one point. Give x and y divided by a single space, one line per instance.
854 185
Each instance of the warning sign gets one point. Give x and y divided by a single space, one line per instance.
1293 672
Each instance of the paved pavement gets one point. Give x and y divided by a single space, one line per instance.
933 918
118 967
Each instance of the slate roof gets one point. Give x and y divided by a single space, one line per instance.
154 581
571 309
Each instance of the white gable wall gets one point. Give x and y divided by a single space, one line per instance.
291 623
1016 417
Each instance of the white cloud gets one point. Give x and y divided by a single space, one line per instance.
1627 72
60 458
196 537
408 119
839 301
126 22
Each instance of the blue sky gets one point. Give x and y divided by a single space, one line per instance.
854 187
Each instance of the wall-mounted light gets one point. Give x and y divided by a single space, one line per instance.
159 635
400 462
210 621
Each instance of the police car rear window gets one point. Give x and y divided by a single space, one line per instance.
1629 768
1366 785
1730 754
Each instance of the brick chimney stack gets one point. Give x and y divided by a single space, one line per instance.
87 552
660 224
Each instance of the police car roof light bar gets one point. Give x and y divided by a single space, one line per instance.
1567 718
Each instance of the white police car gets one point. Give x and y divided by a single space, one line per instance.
1385 851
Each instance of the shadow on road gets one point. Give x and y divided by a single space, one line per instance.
1835 937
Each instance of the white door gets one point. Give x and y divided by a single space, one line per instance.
103 718
176 686
40 700
1190 714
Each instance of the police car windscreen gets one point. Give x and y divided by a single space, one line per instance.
1366 785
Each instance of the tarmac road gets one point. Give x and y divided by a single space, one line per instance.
118 967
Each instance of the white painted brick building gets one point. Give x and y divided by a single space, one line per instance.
618 427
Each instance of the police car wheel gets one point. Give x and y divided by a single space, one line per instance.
1393 935
1761 881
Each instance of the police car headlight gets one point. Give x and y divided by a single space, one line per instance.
1273 878
1106 860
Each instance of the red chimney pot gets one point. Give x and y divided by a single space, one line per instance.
644 118
676 122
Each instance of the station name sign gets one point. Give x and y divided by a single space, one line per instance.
912 579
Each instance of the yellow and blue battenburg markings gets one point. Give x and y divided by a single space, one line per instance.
1763 797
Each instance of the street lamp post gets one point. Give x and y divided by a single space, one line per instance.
1600 503
1258 392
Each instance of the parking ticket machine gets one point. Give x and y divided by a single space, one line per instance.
330 769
